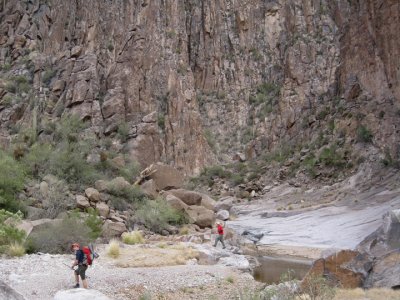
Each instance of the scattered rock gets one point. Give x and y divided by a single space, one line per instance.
225 203
208 202
101 185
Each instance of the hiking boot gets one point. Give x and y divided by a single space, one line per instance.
76 286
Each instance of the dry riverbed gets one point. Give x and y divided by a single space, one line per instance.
41 276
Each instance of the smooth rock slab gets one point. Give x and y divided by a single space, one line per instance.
80 294
8 293
236 261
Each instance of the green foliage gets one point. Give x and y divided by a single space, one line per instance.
210 138
364 134
330 156
157 214
133 194
161 122
123 132
9 234
12 178
130 171
58 237
266 93
93 221
48 75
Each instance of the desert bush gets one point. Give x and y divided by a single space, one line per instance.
93 221
364 134
157 214
133 237
9 234
48 75
132 193
58 237
130 171
123 132
113 249
12 178
330 156
16 249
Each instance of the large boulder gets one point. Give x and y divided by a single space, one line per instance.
223 215
200 216
112 229
8 293
225 203
176 203
208 202
385 272
82 202
103 209
149 188
164 176
92 194
236 261
118 183
338 268
189 197
80 294
31 226
391 228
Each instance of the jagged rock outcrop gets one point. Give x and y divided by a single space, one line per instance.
186 79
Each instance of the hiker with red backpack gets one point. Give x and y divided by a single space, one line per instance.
220 236
81 260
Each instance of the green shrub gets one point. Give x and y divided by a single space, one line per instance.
48 75
330 156
161 122
93 221
9 234
210 138
130 171
123 132
157 214
12 178
58 237
364 134
37 159
132 193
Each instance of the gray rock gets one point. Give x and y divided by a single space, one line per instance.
82 202
112 229
103 209
80 294
223 215
236 261
92 194
7 293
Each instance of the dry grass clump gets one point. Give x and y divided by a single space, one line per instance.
155 256
113 249
16 249
372 294
133 237
184 230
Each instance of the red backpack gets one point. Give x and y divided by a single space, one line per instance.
88 256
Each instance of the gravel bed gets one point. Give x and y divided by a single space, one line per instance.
41 276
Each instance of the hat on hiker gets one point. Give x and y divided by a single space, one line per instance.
74 245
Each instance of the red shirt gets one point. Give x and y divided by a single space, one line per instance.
220 229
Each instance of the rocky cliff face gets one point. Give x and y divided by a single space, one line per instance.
193 82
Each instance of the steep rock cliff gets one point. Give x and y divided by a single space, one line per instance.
195 81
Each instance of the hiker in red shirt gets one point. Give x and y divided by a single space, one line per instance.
220 236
